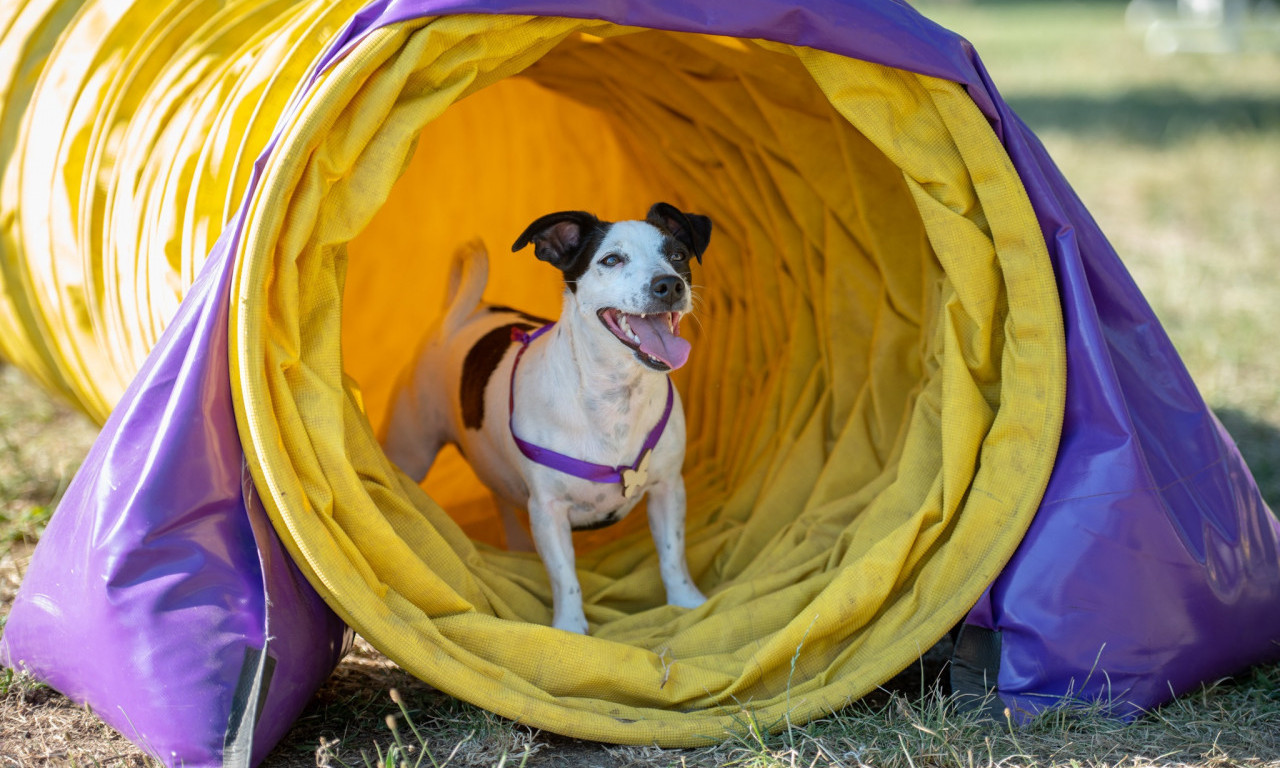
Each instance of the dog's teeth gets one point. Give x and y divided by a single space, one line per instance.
626 328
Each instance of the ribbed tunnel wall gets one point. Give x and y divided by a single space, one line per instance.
130 133
729 133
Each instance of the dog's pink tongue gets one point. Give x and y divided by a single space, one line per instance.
657 340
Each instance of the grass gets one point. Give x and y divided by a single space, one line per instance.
1179 160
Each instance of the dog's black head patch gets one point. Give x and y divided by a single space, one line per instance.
691 230
566 240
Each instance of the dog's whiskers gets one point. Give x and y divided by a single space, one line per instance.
696 299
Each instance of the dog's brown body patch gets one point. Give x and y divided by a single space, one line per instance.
478 367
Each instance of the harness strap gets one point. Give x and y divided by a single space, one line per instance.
586 470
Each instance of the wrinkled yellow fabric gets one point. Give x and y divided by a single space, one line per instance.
874 398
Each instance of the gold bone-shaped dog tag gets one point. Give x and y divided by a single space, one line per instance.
634 479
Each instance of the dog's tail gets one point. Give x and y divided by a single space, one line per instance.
468 275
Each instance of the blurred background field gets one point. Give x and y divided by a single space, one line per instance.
1176 156
1178 159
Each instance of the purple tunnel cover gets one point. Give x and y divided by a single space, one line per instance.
1151 566
159 595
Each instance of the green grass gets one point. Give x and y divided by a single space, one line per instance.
1178 159
928 731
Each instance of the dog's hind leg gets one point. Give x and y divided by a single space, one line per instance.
418 423
411 452
415 429
514 534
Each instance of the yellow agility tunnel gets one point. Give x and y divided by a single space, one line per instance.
227 226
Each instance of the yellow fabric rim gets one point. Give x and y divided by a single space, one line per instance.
903 551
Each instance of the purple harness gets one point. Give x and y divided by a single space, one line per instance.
631 476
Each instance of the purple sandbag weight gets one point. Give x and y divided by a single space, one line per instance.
153 591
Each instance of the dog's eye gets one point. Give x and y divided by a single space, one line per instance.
612 260
678 256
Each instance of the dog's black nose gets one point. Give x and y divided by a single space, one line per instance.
668 288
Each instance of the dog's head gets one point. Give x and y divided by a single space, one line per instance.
633 276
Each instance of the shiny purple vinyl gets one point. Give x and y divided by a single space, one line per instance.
160 596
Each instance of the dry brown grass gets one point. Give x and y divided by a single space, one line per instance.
39 727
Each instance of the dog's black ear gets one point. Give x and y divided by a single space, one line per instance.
689 228
558 237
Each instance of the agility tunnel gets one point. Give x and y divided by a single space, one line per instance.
924 393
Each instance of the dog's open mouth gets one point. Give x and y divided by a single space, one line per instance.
654 337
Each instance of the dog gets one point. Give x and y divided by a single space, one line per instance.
574 421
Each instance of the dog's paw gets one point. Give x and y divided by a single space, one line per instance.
685 596
571 623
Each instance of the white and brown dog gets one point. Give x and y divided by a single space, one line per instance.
574 421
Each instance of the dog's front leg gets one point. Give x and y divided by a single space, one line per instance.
666 523
553 538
